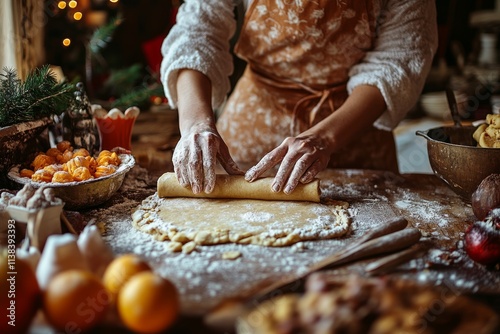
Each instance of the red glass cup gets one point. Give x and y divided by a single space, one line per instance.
115 127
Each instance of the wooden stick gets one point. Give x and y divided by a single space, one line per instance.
392 261
385 244
391 226
67 223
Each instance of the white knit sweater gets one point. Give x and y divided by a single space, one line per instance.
398 64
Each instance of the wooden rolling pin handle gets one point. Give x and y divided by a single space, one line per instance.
385 244
390 262
391 226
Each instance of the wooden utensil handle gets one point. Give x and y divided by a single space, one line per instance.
388 227
385 244
390 262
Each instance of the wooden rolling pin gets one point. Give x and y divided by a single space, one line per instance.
236 187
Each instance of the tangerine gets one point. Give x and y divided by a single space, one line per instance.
75 301
120 270
148 303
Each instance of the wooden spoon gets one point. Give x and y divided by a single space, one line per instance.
452 103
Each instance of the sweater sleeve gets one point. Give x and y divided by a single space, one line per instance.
200 41
401 59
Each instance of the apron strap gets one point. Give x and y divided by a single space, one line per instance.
321 95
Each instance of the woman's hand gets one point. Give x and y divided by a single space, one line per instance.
301 158
200 147
196 155
304 156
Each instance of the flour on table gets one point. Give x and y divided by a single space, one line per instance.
221 221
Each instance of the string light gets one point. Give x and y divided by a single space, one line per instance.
77 16
66 42
72 4
61 4
113 1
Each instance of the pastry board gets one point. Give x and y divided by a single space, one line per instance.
205 279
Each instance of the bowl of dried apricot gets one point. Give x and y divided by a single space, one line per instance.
79 179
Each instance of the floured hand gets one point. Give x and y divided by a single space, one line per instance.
195 158
301 158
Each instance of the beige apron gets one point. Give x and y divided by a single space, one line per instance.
299 53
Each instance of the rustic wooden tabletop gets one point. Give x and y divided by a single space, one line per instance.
205 280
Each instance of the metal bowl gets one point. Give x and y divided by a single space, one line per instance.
455 158
83 194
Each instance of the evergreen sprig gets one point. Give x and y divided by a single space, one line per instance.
103 36
123 80
39 96
140 97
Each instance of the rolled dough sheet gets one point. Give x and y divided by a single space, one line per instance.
235 186
203 221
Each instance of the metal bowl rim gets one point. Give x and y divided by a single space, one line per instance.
424 133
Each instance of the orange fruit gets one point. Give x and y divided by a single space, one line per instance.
75 301
120 270
19 294
148 303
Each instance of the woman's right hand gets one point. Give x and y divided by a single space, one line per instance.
195 158
200 147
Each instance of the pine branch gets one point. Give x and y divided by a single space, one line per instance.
103 36
139 97
37 97
47 100
123 80
9 88
126 77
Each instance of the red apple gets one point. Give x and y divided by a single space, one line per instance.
482 239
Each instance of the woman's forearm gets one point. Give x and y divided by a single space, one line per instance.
194 100
358 113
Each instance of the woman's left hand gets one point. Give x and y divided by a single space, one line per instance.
302 158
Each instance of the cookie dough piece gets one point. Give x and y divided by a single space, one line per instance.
493 120
477 133
236 187
488 135
231 255
485 140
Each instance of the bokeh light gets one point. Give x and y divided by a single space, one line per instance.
66 42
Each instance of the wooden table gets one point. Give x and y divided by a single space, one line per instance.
204 279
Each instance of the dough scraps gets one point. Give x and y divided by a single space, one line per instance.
241 221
